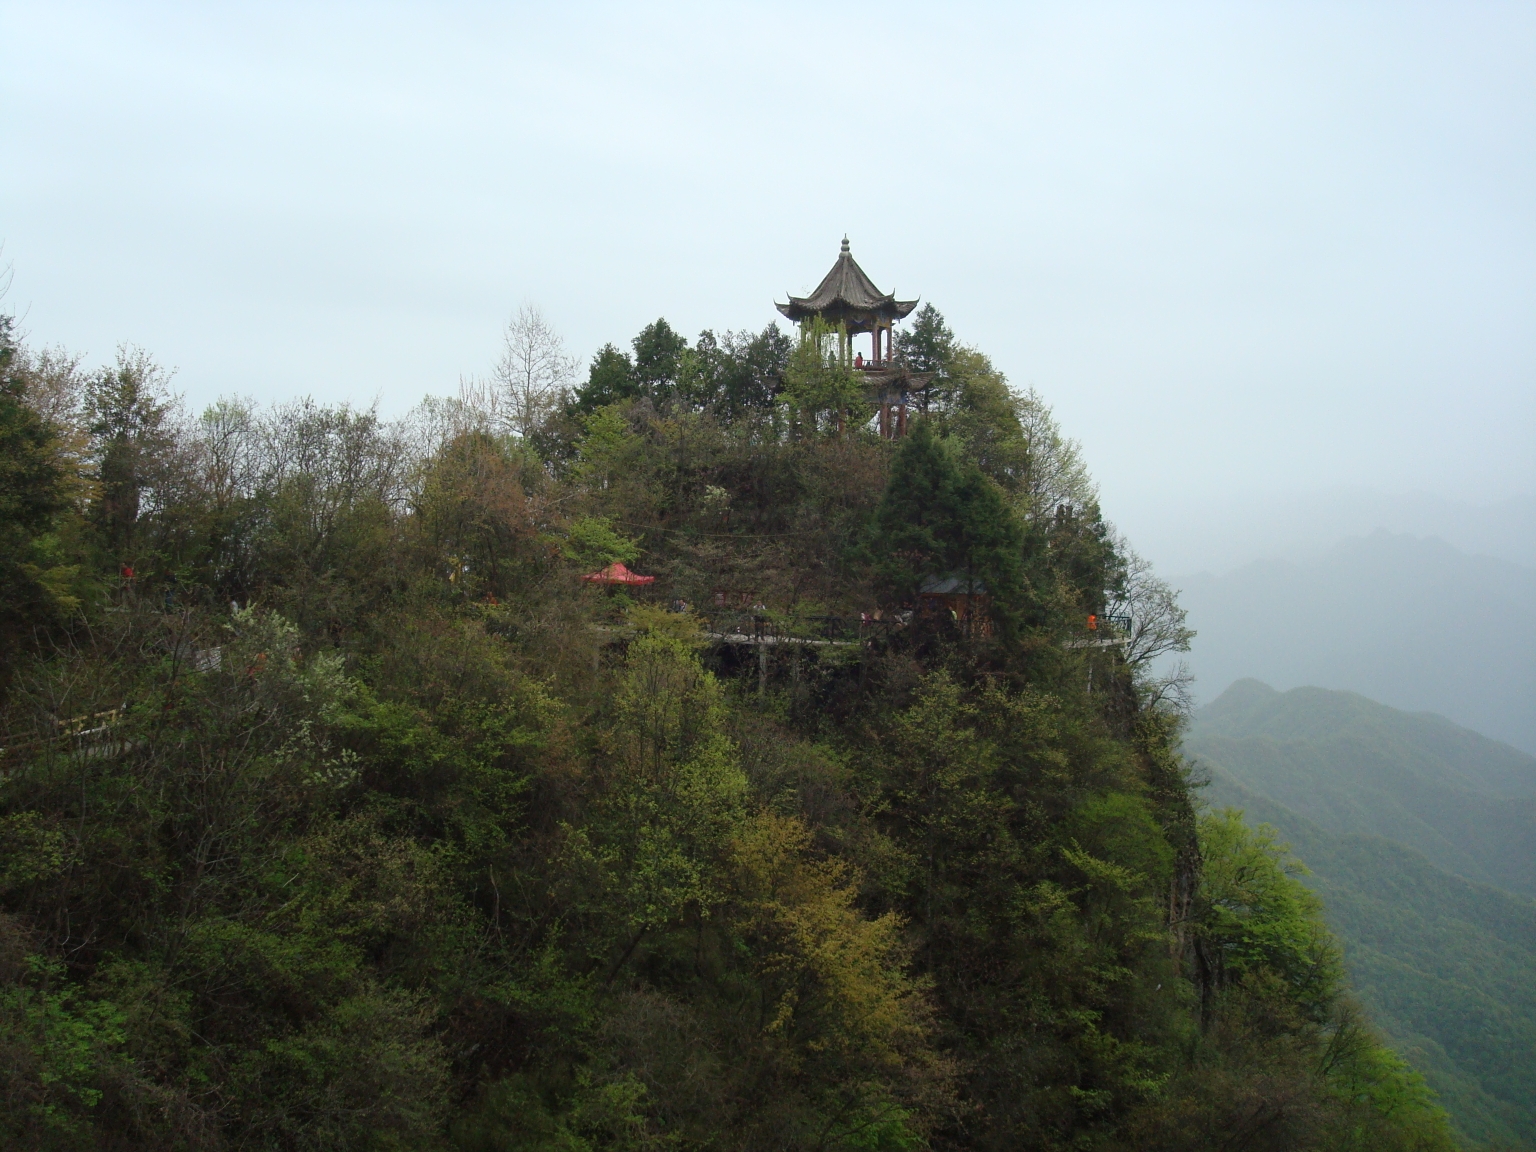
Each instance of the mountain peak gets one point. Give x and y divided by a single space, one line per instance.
1243 699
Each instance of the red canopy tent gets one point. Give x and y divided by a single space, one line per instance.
617 574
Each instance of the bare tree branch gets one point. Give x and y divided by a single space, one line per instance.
531 377
1157 621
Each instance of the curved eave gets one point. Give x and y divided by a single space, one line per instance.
888 308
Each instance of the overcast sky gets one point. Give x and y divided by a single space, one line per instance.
1243 249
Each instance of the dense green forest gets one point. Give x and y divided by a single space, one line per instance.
337 811
1443 963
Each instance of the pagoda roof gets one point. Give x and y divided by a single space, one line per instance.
846 294
891 383
617 573
952 585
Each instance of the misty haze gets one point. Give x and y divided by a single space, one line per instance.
767 577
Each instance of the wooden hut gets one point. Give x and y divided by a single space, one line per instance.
963 601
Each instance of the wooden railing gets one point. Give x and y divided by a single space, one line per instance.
85 730
760 628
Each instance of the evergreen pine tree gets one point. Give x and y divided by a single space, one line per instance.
941 516
611 379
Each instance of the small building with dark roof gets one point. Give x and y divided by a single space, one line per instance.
962 600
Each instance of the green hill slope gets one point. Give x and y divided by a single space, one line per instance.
1466 802
1444 964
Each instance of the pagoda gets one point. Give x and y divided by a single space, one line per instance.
848 301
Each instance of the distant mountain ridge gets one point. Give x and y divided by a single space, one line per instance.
1409 621
1432 746
1222 532
1397 814
1352 765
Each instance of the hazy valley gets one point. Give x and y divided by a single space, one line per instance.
1421 841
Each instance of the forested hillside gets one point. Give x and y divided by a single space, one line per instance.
1442 963
1353 765
338 811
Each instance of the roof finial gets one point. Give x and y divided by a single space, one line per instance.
845 242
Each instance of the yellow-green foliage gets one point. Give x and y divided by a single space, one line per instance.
820 384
